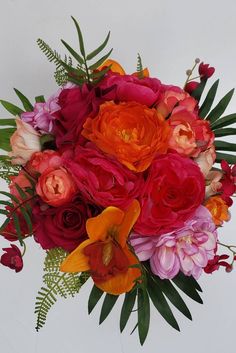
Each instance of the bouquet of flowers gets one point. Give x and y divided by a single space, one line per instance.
113 176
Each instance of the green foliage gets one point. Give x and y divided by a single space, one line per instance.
107 306
197 93
219 109
56 284
18 207
5 135
139 66
11 108
207 104
25 101
83 72
230 158
128 305
94 297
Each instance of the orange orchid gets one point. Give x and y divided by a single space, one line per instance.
117 68
106 253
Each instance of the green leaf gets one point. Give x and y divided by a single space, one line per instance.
225 132
27 219
95 52
127 308
230 158
197 93
225 146
224 121
5 122
161 304
6 203
40 99
4 212
94 297
100 61
17 226
193 282
207 104
25 101
12 197
143 314
173 295
73 52
184 284
107 306
11 108
81 41
219 109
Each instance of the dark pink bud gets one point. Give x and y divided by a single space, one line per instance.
205 71
191 86
12 258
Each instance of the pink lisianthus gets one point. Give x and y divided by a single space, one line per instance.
174 188
41 118
187 249
101 179
128 88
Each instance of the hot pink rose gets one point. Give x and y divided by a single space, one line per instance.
128 88
24 142
56 186
101 179
174 188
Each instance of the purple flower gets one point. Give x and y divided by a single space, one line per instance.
12 258
187 249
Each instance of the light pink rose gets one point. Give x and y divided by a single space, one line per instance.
24 142
213 184
206 159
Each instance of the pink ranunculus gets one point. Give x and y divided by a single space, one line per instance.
56 186
128 88
173 190
187 249
24 142
42 118
190 134
12 258
101 179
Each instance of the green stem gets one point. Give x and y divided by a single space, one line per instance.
24 248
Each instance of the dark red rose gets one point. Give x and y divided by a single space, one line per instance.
205 71
76 105
12 258
174 188
62 226
191 86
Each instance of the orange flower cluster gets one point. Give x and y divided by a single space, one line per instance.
218 209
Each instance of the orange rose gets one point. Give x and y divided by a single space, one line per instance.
131 132
56 187
218 209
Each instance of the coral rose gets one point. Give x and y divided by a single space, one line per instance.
40 161
24 142
218 209
101 179
131 132
56 186
174 188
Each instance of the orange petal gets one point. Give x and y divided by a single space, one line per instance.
115 66
97 227
131 216
76 261
144 72
122 282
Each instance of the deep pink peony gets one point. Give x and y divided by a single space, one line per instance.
101 179
12 258
62 226
174 188
187 249
128 88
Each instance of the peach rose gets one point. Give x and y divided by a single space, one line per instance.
130 131
218 209
213 184
24 142
56 187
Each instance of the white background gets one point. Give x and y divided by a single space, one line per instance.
169 35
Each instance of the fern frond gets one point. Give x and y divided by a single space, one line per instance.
7 170
139 66
44 301
52 55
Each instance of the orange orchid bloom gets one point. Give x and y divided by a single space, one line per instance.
117 68
106 253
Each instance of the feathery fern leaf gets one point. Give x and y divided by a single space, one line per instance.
7 170
139 66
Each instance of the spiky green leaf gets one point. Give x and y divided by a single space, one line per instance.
187 287
219 109
100 61
40 99
80 36
127 308
224 121
207 104
225 132
24 100
143 314
107 306
230 158
94 297
225 146
73 52
95 52
11 108
197 93
7 122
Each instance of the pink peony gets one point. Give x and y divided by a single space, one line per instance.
174 188
101 179
187 249
128 88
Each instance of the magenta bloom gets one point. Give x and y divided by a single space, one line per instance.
41 118
12 258
101 179
187 249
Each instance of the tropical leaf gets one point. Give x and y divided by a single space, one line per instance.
186 285
225 146
197 93
230 158
25 101
100 61
219 109
224 121
225 132
73 52
107 306
7 122
127 308
207 104
94 297
143 314
11 108
97 51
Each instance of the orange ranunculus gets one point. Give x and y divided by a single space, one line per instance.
130 131
115 66
106 253
218 208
